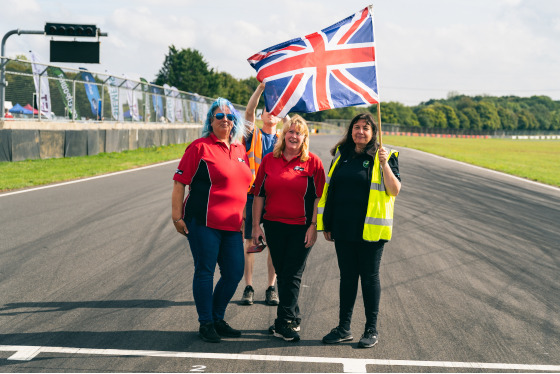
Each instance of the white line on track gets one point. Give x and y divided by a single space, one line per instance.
350 365
90 178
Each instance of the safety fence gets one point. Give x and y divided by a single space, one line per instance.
44 92
432 132
53 111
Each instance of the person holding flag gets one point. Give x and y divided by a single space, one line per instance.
356 213
259 143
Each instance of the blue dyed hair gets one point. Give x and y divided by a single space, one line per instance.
238 130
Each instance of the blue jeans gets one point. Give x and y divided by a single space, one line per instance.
210 247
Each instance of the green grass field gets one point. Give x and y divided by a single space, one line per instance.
38 172
537 160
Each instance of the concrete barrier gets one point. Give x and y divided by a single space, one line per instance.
41 140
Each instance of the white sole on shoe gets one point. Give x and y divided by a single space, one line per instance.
362 345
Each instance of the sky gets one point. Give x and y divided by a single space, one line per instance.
424 49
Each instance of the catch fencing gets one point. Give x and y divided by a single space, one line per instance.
44 92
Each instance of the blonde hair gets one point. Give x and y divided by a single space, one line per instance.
301 127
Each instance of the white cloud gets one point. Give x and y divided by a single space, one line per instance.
424 48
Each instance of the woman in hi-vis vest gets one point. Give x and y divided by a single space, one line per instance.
356 213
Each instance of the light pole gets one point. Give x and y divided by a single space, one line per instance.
54 29
4 62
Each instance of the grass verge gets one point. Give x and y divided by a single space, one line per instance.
537 160
30 173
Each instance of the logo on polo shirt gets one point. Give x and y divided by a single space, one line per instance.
240 159
179 171
299 168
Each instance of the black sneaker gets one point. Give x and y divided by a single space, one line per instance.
224 329
286 332
369 339
337 335
272 296
248 294
208 333
294 324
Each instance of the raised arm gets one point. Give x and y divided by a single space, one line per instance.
253 102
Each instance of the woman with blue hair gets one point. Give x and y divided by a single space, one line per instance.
215 167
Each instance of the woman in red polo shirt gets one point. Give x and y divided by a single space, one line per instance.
215 167
288 185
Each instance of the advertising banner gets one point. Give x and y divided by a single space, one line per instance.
65 90
146 89
132 99
178 105
114 97
41 86
157 101
92 93
169 103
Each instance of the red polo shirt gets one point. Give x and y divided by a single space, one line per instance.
290 188
218 179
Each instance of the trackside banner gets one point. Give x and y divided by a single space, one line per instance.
114 97
170 103
41 85
146 90
65 91
92 93
157 102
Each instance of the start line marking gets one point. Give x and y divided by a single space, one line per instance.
350 365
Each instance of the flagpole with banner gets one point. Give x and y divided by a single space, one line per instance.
379 124
332 68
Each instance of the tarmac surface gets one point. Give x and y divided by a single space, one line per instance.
93 278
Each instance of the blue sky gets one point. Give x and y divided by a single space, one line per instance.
425 49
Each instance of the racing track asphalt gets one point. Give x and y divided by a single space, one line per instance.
470 277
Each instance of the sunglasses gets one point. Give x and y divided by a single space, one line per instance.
220 116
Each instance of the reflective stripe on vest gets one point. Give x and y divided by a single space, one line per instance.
378 224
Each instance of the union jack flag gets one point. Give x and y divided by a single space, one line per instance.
331 68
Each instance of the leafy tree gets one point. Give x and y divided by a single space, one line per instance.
555 120
430 117
508 118
451 118
488 113
474 118
464 121
397 113
188 71
526 120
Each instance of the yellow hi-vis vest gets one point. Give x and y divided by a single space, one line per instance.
378 224
254 154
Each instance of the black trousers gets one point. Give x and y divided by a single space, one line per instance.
359 260
289 257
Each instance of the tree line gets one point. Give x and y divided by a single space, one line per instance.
187 70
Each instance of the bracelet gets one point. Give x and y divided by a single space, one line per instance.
175 221
314 223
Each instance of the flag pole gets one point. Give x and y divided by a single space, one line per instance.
379 124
